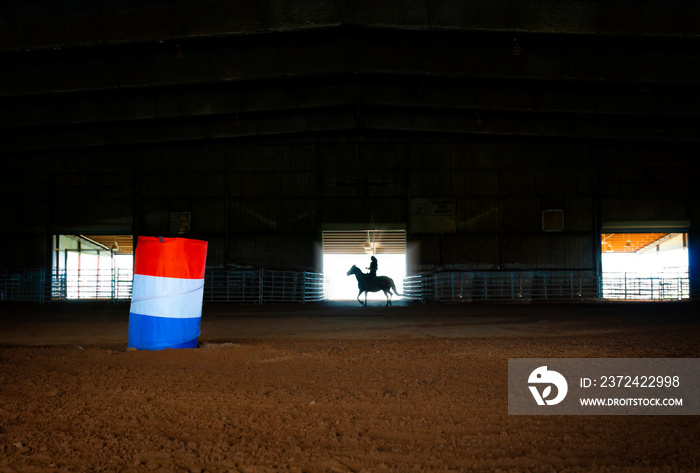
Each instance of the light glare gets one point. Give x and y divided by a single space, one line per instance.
343 287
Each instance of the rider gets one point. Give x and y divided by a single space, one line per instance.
373 268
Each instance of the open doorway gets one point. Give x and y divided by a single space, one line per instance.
92 266
644 265
343 248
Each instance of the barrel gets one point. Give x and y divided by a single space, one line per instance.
166 300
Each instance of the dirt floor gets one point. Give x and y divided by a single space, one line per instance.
327 387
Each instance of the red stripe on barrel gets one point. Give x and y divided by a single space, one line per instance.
170 258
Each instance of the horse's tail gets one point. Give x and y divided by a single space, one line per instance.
393 286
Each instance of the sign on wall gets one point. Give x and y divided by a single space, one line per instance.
433 215
553 220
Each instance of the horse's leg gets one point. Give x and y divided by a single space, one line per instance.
366 292
388 298
358 297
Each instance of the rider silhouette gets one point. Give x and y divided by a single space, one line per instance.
373 268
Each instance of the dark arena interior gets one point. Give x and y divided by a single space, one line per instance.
525 172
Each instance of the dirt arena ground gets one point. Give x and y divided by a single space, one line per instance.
327 388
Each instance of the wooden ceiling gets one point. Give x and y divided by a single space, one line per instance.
121 244
628 242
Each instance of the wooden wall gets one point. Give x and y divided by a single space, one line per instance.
261 202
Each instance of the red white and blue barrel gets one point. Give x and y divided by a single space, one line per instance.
166 299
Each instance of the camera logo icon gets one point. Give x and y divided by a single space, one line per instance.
543 376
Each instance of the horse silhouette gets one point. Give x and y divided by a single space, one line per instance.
367 284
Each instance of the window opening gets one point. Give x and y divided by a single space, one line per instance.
644 266
92 267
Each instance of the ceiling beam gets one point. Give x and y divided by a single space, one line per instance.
70 23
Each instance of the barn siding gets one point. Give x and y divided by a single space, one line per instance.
262 202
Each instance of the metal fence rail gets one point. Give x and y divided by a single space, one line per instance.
111 284
541 285
252 286
631 287
239 286
23 285
290 286
501 286
260 286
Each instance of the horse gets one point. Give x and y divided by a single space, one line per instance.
379 283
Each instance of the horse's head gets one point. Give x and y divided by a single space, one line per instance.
353 270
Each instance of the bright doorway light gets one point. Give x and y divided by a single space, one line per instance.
657 254
344 287
645 266
344 247
92 266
